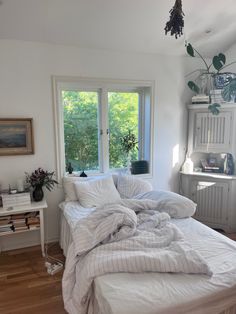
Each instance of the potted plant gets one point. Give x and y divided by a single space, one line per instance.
129 143
39 178
210 71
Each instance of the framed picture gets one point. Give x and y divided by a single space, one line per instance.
16 137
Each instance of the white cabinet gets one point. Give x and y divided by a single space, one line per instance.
213 194
208 132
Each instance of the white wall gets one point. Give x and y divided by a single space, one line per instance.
231 57
26 91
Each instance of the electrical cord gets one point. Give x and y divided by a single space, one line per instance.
51 261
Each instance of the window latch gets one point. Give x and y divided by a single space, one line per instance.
101 132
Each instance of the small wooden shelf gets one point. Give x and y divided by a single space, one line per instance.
32 207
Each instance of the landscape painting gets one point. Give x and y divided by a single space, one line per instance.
16 137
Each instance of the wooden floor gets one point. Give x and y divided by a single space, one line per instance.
25 286
232 236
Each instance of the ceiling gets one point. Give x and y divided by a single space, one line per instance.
121 25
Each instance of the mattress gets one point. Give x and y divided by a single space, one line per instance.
70 213
158 293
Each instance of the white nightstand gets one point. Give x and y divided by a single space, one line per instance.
32 207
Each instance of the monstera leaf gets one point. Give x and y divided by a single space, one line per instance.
219 61
190 50
214 108
193 87
229 91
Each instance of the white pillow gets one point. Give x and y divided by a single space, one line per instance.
97 193
129 186
176 205
69 189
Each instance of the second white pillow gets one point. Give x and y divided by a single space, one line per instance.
97 193
130 186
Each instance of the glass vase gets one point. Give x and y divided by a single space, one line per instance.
128 164
38 193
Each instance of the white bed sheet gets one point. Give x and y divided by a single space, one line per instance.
158 293
153 293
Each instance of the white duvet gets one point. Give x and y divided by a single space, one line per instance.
118 239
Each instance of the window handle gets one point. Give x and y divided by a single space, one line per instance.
108 131
101 132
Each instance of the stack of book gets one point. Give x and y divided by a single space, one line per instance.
201 99
33 220
216 96
6 225
19 222
18 199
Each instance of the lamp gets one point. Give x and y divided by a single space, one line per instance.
176 23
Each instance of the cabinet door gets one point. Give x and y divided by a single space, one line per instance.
212 133
212 201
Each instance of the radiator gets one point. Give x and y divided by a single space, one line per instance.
211 200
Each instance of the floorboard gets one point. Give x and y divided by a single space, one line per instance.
25 286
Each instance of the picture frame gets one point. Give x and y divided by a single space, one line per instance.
16 136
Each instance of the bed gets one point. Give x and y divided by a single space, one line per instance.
160 293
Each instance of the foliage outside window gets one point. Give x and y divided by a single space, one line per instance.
123 118
81 129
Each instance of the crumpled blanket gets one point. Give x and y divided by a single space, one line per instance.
121 239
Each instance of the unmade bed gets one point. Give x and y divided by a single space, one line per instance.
160 293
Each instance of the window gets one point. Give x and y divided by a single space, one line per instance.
123 116
91 117
81 129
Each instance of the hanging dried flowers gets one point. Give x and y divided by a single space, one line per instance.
176 23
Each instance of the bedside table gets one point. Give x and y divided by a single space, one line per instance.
24 209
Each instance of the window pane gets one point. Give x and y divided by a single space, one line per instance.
81 129
123 116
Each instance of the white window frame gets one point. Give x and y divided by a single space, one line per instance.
103 86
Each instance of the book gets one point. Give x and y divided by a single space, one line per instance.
200 99
4 222
18 199
10 228
19 225
32 227
6 232
20 228
18 221
32 214
18 216
6 225
5 229
32 220
5 217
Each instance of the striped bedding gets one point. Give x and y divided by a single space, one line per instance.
119 239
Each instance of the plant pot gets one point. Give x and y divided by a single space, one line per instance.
140 167
38 193
205 82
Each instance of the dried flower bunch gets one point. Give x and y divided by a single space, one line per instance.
176 23
129 142
42 178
